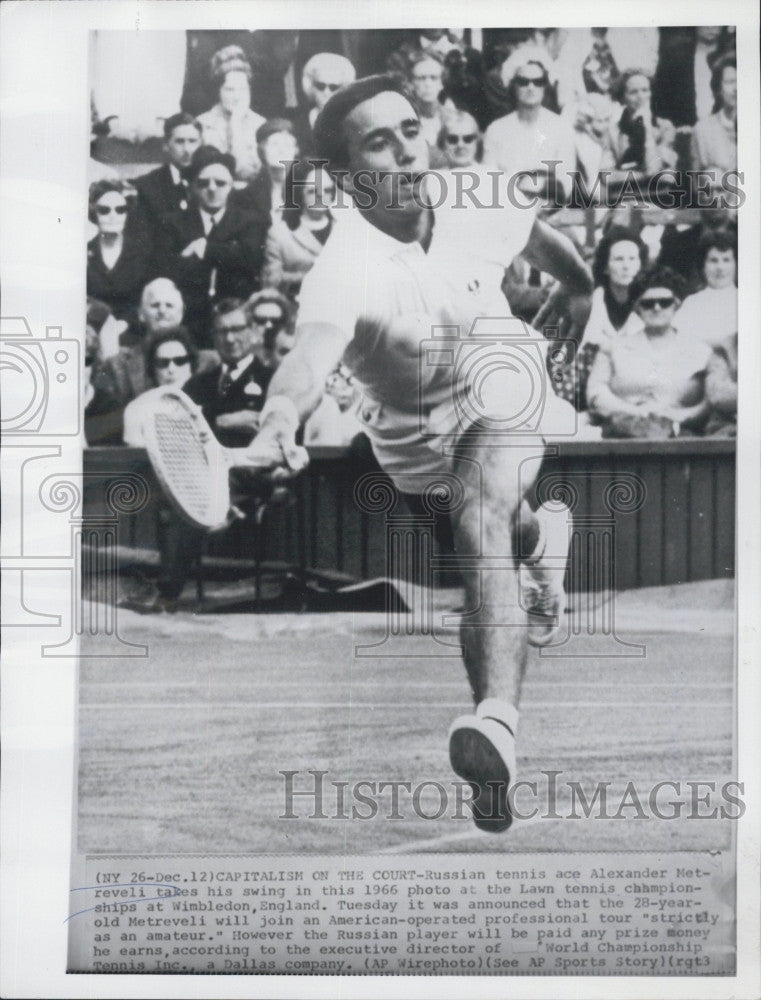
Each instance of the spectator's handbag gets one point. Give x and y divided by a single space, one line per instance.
569 376
627 425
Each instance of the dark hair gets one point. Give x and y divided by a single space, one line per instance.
618 90
330 140
99 188
420 55
717 75
205 156
715 239
513 87
616 234
271 127
175 121
221 307
178 333
657 276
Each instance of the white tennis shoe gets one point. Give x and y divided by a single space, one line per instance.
482 752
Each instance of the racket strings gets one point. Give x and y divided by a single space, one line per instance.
184 460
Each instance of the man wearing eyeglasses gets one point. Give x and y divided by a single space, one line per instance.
231 395
215 248
323 75
460 141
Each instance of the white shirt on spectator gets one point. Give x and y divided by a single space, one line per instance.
513 145
210 219
599 329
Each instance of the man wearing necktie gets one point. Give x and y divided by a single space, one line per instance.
164 190
232 394
215 248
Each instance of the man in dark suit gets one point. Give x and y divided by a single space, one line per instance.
231 395
212 249
164 190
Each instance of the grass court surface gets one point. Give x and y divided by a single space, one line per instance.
180 752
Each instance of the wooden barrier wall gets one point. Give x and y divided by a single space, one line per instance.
667 509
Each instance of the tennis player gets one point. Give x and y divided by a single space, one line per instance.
391 275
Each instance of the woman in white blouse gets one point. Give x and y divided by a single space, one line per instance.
710 315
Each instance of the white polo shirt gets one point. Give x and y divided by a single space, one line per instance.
393 301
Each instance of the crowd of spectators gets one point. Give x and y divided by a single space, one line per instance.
194 264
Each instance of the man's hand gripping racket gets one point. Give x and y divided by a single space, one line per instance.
274 452
194 468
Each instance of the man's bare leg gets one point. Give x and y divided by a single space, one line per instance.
494 522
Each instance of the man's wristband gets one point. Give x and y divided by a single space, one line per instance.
284 408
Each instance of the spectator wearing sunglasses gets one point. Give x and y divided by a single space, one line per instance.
531 139
215 248
651 381
460 141
323 75
119 259
170 360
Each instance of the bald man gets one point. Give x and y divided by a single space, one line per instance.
124 376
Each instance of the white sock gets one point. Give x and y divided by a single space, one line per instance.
498 708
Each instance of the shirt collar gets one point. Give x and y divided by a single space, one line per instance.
376 242
176 175
211 219
237 370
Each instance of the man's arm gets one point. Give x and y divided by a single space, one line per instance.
294 394
554 253
301 377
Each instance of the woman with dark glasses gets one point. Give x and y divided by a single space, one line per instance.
119 259
650 382
531 141
170 359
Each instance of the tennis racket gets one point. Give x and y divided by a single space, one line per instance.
191 465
